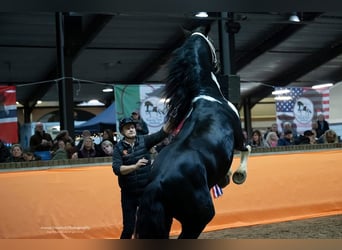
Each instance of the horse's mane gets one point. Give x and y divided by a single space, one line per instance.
190 64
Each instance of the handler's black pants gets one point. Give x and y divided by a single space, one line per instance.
129 205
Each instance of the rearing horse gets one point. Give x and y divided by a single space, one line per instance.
201 153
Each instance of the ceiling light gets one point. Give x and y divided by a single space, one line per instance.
91 103
202 14
294 18
281 91
324 85
107 90
282 98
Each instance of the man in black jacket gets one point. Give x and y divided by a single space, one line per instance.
132 165
40 141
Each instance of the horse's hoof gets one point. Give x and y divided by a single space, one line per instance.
239 178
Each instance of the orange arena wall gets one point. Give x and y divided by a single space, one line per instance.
84 202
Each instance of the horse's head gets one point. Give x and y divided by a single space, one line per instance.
190 70
211 47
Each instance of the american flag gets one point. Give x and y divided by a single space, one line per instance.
318 97
8 115
288 105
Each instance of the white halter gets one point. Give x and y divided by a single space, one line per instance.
212 48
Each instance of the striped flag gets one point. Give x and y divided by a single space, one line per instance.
303 107
217 191
8 115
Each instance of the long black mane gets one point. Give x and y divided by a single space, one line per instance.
190 66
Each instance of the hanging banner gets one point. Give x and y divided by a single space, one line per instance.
8 115
303 107
144 98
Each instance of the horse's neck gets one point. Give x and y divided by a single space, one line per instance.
229 103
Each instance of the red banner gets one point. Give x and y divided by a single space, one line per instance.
8 115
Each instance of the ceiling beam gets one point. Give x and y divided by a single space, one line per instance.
79 41
277 34
152 64
297 70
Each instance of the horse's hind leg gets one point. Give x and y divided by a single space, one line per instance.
191 231
152 220
193 223
240 174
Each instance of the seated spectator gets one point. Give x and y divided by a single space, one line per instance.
286 126
322 125
287 139
85 133
4 152
271 139
273 128
87 149
72 151
62 135
257 139
108 135
40 141
107 147
289 126
16 154
329 136
30 156
308 137
60 153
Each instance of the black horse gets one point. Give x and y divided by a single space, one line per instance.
201 153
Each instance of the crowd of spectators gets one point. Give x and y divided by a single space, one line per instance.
319 133
63 146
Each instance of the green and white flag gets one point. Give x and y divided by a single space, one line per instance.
144 98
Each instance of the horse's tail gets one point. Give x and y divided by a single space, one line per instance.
151 219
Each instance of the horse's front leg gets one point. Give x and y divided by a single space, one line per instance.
225 181
240 174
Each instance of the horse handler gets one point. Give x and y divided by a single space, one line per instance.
132 165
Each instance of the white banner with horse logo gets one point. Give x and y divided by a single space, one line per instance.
144 98
302 108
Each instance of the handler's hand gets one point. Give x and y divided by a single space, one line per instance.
141 162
